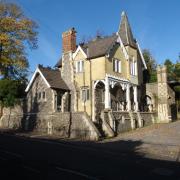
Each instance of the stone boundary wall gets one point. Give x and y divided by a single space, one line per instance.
122 121
73 125
6 121
83 127
148 118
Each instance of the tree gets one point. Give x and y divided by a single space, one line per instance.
10 93
150 73
177 71
173 74
170 69
17 32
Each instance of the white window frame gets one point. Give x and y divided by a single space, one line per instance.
117 65
133 67
79 66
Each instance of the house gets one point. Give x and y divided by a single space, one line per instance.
97 89
105 73
47 92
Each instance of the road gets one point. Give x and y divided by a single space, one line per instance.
28 158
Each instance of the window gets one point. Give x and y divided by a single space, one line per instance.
39 95
85 95
133 67
79 66
117 66
43 95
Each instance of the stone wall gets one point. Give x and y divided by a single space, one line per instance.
122 122
83 127
36 104
6 121
67 74
55 123
148 118
62 124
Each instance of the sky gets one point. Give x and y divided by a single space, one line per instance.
155 24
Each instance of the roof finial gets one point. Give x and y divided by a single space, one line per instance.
123 13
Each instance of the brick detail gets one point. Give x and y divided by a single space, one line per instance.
69 40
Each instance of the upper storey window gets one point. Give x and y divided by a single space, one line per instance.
80 66
117 65
133 67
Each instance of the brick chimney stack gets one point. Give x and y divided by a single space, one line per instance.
69 40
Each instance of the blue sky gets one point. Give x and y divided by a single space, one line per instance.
155 24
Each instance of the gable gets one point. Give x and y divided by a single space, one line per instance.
79 54
51 77
34 77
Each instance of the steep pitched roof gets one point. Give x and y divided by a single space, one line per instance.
99 46
125 31
51 77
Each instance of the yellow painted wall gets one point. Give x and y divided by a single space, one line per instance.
133 53
118 54
85 78
96 69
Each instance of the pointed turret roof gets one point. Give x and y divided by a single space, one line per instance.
125 31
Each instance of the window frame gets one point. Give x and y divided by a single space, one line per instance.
133 67
80 66
117 65
85 94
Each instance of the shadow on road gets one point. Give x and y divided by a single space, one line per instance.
103 160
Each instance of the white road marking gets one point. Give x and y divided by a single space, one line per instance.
2 158
31 169
76 173
12 154
163 171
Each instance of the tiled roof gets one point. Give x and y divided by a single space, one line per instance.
96 48
125 31
53 77
99 46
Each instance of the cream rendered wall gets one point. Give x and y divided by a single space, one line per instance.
82 79
118 54
97 68
133 53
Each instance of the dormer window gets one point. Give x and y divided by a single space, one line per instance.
80 66
117 65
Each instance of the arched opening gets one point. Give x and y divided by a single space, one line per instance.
99 99
148 106
118 98
132 99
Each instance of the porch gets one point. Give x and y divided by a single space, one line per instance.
116 94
